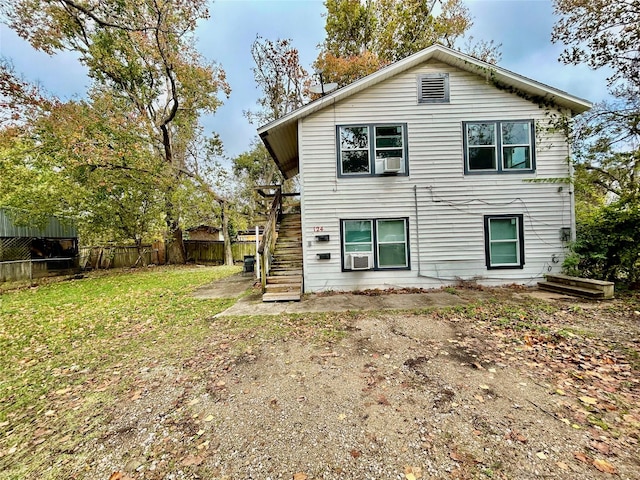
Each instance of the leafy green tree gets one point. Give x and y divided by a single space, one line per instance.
607 139
601 33
362 37
408 26
350 27
251 169
88 160
142 51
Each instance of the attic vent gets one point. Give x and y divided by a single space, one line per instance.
433 88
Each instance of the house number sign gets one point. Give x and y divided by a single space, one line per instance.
318 229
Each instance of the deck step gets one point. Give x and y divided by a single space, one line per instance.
284 279
283 287
583 287
571 289
285 272
281 297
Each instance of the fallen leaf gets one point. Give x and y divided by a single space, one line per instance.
456 456
119 476
136 395
604 466
484 387
582 457
382 400
603 448
355 453
562 466
299 476
541 455
192 460
588 400
209 418
412 473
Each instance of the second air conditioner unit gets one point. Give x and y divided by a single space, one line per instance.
392 164
360 261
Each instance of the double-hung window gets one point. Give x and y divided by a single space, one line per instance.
375 244
376 149
499 147
504 241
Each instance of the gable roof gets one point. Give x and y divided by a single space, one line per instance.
281 136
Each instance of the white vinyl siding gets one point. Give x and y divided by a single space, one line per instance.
446 238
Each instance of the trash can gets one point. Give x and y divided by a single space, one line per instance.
249 263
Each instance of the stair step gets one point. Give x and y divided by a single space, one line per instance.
284 279
571 290
281 297
283 287
288 272
607 288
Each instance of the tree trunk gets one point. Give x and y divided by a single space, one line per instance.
228 253
175 252
141 253
174 243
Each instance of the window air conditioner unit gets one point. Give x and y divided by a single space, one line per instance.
392 164
360 262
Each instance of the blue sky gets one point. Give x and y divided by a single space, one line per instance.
523 27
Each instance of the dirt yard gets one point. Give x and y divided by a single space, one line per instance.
501 386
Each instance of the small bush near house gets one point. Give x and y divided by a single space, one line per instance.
607 245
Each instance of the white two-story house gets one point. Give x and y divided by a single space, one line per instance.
435 169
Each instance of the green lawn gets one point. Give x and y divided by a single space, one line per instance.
64 339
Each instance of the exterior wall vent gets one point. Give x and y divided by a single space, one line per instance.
433 88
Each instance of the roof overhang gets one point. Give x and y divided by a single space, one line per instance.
281 136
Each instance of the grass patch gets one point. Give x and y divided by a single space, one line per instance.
65 345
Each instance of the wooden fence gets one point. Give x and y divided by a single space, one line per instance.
116 256
200 251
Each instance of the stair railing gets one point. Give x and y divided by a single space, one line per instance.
267 245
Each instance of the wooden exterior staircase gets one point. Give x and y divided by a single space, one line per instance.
284 282
281 255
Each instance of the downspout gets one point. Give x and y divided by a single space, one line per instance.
415 199
572 200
